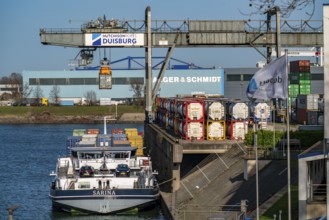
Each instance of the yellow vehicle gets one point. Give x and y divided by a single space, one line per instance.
44 101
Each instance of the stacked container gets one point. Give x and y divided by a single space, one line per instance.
190 118
88 140
238 120
300 79
307 109
117 131
119 138
215 111
171 114
93 131
164 111
73 141
203 118
79 132
135 140
104 140
262 112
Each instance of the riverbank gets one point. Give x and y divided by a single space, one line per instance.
48 118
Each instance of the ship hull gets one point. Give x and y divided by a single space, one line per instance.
103 201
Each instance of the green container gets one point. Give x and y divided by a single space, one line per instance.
79 132
305 82
294 78
305 76
293 90
305 89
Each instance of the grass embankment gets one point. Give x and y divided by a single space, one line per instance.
70 110
282 204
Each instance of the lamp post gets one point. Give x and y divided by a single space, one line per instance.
116 109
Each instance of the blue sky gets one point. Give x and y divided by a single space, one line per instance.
21 20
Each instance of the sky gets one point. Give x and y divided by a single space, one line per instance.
21 21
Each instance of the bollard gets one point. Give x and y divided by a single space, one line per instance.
11 210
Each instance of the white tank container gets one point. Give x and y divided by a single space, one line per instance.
262 111
191 129
190 110
238 130
216 130
239 111
215 110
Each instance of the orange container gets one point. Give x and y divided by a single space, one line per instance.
93 131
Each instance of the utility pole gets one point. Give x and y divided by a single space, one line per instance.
274 11
148 66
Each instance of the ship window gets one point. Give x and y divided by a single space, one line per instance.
84 185
74 154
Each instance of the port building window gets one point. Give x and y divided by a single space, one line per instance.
46 81
127 81
60 81
33 81
83 81
247 77
234 77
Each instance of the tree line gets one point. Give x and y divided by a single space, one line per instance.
19 93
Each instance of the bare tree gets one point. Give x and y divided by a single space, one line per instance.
54 94
14 84
137 87
91 97
26 91
20 96
287 7
14 78
38 94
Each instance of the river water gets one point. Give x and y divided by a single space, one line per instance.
28 154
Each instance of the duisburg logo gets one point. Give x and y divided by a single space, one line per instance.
96 39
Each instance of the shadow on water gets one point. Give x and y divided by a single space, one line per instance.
153 212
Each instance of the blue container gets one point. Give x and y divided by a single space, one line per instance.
104 140
73 141
122 137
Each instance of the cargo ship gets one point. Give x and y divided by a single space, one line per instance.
103 174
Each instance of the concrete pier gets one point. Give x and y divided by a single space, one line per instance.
210 179
182 176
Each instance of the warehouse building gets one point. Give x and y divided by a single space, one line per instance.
74 84
229 82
